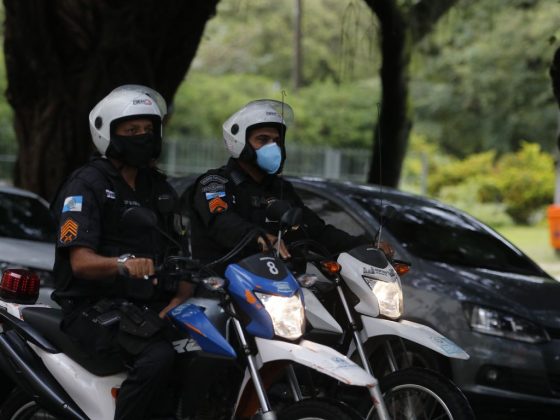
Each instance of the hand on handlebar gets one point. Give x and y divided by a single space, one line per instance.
140 268
284 253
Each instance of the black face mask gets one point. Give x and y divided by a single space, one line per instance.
136 151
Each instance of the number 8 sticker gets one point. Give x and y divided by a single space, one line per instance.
272 267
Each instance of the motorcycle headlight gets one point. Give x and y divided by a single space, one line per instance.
501 324
287 314
389 296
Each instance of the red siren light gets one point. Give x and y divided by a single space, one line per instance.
19 286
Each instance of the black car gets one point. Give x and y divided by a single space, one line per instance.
467 282
27 235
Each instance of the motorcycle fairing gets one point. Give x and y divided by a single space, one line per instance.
259 273
191 319
368 261
412 331
317 315
90 392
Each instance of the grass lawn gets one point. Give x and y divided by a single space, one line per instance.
535 242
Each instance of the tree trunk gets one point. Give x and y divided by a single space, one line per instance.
63 56
555 76
400 29
390 138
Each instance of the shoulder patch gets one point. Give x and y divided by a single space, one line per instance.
214 187
211 195
73 203
205 180
217 205
69 231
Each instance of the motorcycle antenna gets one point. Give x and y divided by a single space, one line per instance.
381 221
283 137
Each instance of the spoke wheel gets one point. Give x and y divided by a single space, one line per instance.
421 394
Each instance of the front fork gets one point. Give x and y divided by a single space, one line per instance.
266 409
375 392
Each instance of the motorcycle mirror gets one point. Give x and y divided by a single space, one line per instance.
292 217
276 209
389 212
139 217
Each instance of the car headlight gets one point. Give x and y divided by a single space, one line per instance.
389 295
501 324
287 314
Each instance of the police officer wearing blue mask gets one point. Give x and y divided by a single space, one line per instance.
226 203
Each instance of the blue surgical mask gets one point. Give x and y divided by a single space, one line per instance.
269 158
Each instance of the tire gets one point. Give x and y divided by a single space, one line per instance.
422 394
411 355
314 409
20 406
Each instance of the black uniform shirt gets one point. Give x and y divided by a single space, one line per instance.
89 208
227 203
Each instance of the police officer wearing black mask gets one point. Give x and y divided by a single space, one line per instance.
103 266
228 202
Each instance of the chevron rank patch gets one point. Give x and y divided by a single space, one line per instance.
217 205
69 231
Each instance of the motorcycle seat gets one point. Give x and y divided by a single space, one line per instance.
46 321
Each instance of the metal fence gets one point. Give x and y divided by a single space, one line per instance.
196 156
187 156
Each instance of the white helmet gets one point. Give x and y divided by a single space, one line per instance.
125 102
263 112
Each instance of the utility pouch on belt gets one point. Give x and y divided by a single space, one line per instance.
140 322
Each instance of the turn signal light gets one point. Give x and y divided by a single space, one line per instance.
401 268
331 267
19 286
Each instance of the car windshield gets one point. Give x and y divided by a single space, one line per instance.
24 217
434 232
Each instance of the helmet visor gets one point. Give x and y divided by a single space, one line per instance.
284 110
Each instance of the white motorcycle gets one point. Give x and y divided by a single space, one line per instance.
238 342
363 290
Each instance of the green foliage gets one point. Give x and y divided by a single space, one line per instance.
525 181
325 113
461 171
256 37
481 80
519 184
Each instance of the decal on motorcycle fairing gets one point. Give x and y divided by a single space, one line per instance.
186 345
191 319
446 345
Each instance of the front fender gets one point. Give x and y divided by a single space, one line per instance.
318 357
313 355
411 331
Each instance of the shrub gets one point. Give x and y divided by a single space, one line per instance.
525 181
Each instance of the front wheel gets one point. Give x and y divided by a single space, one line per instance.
314 409
422 394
